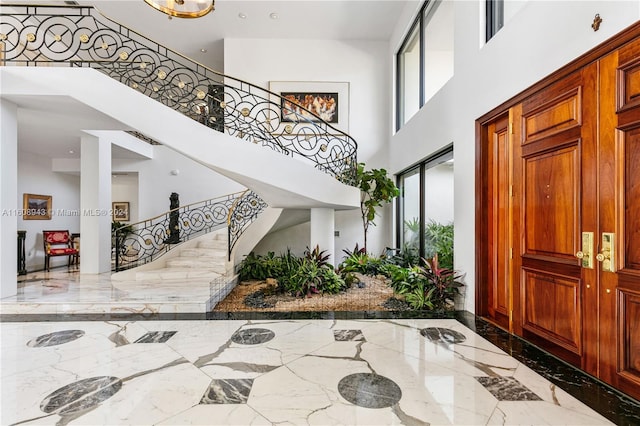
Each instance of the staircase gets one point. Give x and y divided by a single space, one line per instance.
202 259
206 260
233 127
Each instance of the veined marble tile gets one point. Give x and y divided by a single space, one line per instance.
22 392
218 415
151 397
17 356
292 393
296 375
432 392
541 413
553 394
227 391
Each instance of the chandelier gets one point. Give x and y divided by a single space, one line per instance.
182 8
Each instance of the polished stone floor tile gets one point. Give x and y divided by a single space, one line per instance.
72 352
156 337
295 372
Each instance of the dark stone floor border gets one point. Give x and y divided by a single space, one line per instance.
610 403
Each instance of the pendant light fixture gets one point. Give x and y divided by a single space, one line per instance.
183 8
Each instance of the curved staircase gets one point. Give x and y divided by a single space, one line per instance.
72 52
202 258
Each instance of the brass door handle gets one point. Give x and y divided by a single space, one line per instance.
585 255
606 256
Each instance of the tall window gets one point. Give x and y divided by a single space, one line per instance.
425 209
410 75
425 59
494 12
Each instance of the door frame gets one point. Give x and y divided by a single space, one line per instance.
482 243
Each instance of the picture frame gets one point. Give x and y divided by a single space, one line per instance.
120 211
36 207
328 99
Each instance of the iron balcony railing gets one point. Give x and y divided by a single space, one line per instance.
142 242
79 36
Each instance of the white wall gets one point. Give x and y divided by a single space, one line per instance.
35 177
124 188
147 188
361 63
538 38
194 182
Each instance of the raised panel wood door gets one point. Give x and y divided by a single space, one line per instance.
554 174
619 215
498 306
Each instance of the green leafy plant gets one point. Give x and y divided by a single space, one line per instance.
421 297
360 261
320 257
376 189
444 281
332 282
257 267
298 276
407 257
439 241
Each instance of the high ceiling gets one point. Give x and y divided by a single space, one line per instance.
56 136
295 19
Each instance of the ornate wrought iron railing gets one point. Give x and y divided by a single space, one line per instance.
242 214
142 242
80 36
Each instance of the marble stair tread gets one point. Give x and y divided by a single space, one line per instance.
177 273
203 252
213 244
190 262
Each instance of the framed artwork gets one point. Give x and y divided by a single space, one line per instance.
36 207
120 211
327 100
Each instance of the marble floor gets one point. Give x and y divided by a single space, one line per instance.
65 291
111 367
297 372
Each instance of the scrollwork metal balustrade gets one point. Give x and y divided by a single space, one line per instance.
145 241
80 36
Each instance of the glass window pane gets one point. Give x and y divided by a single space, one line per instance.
438 208
409 74
494 17
410 210
438 47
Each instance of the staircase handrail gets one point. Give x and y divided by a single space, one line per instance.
144 241
241 214
34 34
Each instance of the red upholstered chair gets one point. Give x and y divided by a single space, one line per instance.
58 243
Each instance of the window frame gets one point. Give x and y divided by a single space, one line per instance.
429 7
422 166
400 76
494 17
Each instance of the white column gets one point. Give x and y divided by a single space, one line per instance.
322 231
95 205
8 198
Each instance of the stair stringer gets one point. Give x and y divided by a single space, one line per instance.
254 233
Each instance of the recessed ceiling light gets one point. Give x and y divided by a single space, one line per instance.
242 15
203 50
71 151
273 15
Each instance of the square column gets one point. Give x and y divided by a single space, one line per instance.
95 204
323 231
8 198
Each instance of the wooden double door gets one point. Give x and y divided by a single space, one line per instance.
559 218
